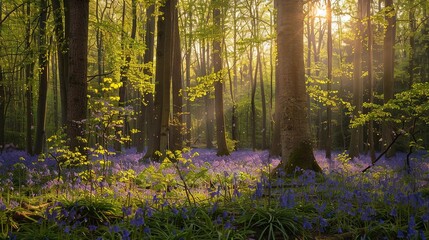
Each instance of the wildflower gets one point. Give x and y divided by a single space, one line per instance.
227 225
259 190
67 230
393 212
2 206
126 235
126 211
115 229
92 228
306 224
400 234
425 217
287 200
146 230
411 231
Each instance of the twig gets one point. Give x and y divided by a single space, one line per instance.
384 152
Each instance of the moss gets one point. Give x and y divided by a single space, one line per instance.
302 157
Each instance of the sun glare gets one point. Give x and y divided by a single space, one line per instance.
321 12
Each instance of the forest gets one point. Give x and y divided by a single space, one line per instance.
220 119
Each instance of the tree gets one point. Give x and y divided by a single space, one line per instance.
389 62
176 138
164 53
356 138
147 108
297 150
328 145
77 16
43 79
222 148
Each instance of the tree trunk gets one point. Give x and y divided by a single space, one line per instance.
328 144
176 138
371 79
62 54
43 80
29 87
388 73
222 148
297 150
356 138
162 80
78 13
263 101
147 110
188 138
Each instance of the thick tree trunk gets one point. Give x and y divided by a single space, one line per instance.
162 80
146 110
78 13
43 80
297 148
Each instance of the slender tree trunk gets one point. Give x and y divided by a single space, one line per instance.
176 137
276 147
371 78
146 110
328 144
356 138
388 74
252 98
412 41
29 86
78 13
222 148
43 79
297 150
263 102
62 54
188 81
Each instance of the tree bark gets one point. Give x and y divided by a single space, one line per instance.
388 73
62 54
146 111
77 15
222 148
29 86
176 137
356 138
328 144
297 150
43 80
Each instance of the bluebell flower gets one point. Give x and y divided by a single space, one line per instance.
411 231
67 230
126 235
306 224
126 211
2 206
425 217
422 235
92 228
259 190
114 229
146 230
400 234
287 200
227 225
393 212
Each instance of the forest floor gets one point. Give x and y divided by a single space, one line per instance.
199 195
